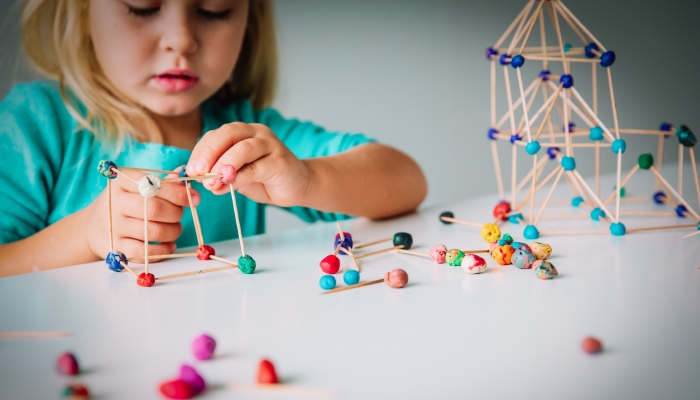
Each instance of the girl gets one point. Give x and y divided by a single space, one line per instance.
158 84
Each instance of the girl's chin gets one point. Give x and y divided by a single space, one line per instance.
169 108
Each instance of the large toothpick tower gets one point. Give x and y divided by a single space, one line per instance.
535 129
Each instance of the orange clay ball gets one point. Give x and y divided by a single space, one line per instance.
502 254
591 345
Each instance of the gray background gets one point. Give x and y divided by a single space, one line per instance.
412 74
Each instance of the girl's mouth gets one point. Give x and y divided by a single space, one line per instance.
174 81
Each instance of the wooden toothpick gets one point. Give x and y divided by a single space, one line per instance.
368 244
195 217
145 233
238 221
459 221
379 252
123 264
358 285
33 335
201 271
109 210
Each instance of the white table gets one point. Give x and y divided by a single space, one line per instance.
501 334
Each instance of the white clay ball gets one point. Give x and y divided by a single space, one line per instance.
149 185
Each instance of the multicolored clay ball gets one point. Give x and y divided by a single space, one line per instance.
246 264
396 279
113 259
107 168
523 259
75 391
490 232
351 277
454 257
545 270
203 347
492 246
438 253
505 239
591 345
473 264
541 250
503 254
330 264
520 245
327 282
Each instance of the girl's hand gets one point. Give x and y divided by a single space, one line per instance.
267 171
164 213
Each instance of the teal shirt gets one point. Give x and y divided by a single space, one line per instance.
48 169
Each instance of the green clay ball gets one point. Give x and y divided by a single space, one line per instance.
646 161
246 264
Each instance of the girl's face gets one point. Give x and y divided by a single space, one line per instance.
168 55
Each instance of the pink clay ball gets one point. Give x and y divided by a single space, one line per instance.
397 278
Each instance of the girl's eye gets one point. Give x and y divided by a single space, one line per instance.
143 12
214 14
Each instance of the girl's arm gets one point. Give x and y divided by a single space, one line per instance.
371 180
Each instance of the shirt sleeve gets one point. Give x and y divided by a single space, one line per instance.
307 140
31 148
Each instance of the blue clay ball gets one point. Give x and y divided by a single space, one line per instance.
533 147
517 61
568 163
113 259
552 152
607 59
327 282
576 201
596 133
597 213
351 277
531 232
619 145
515 218
659 197
618 229
681 210
567 81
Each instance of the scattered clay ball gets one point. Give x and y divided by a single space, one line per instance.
330 264
438 253
454 257
246 264
503 254
505 239
490 232
523 258
541 250
501 211
176 389
203 347
591 345
149 185
204 252
146 280
520 245
228 174
346 244
351 277
266 373
190 376
403 238
473 264
67 364
75 391
397 278
492 246
113 260
327 282
545 270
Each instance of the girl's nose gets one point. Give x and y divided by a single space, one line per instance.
178 33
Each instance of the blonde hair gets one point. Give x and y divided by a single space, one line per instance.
55 36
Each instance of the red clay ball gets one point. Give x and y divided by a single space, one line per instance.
176 389
204 252
591 345
67 364
330 264
146 280
267 373
75 391
501 211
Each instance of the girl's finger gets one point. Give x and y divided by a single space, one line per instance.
245 152
134 248
214 144
157 231
159 210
